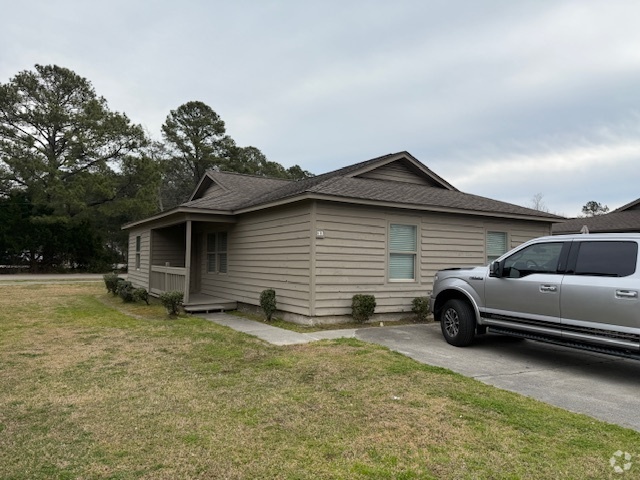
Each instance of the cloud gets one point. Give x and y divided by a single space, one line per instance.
503 99
603 166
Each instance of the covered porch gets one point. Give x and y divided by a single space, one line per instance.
178 258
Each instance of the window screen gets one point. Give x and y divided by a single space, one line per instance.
608 259
496 245
403 247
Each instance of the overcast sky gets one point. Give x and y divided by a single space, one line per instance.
504 99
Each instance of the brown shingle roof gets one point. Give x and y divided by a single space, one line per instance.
411 194
237 189
617 221
246 191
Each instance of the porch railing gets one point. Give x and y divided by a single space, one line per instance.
167 279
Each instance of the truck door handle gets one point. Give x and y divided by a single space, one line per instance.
626 294
548 288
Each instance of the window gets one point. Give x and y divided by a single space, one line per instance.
138 246
539 258
403 249
217 252
496 245
607 259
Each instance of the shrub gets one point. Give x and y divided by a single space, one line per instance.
362 307
172 301
119 282
268 302
420 306
125 290
111 282
141 294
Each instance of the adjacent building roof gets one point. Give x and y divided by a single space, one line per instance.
395 180
623 219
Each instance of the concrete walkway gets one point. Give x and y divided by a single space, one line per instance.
271 334
601 386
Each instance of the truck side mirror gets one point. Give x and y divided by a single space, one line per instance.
496 269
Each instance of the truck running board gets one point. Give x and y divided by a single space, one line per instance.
565 343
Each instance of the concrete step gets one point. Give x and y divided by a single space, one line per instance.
217 306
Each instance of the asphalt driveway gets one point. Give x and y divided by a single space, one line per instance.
604 387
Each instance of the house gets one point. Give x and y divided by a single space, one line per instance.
623 219
381 227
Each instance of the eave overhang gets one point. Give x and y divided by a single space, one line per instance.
183 214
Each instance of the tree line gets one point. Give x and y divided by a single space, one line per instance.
72 171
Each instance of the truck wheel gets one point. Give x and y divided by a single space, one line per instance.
458 323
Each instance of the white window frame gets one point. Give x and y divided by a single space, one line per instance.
219 252
411 252
491 256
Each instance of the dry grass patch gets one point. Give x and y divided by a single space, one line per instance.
88 390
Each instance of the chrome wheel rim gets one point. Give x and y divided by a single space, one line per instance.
451 322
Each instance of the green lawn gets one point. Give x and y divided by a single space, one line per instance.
92 388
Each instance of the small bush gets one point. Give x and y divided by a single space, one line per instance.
141 294
111 283
125 290
119 282
362 307
268 302
172 301
420 306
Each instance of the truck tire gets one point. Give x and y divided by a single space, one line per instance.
458 323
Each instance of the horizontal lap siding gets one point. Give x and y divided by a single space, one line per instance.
352 256
460 241
169 246
352 259
523 234
139 277
450 241
266 250
396 172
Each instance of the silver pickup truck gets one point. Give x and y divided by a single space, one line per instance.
575 290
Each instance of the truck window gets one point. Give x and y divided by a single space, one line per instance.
607 259
538 258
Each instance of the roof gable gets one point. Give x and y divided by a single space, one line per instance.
402 168
635 205
228 191
207 186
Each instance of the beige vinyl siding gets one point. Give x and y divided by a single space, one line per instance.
139 277
523 234
265 250
352 258
396 172
353 255
169 245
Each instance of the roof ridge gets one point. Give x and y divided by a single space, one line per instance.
312 183
250 175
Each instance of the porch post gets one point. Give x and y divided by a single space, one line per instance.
187 263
